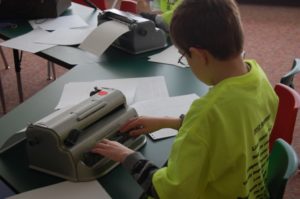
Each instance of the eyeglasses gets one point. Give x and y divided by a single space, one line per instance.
181 61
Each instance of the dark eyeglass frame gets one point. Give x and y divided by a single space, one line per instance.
180 59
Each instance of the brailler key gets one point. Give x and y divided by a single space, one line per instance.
91 158
72 137
121 137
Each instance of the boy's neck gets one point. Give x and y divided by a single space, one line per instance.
226 69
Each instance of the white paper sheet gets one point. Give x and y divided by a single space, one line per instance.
172 106
145 87
169 56
103 36
26 42
65 36
150 88
63 22
76 92
134 89
66 190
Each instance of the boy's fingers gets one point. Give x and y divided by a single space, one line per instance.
98 151
105 141
131 125
102 144
137 132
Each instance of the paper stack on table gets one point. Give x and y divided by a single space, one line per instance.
66 190
62 22
40 38
26 42
134 89
171 106
148 95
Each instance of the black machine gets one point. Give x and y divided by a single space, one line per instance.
32 9
143 35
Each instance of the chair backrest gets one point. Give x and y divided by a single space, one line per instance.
129 6
289 103
101 4
283 164
288 78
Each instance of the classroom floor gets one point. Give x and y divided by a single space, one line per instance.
272 37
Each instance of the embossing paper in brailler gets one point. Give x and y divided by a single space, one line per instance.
103 36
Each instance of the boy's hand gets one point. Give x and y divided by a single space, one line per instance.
112 150
142 125
143 6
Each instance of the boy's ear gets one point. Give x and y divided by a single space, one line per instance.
199 53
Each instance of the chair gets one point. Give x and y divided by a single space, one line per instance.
289 103
129 6
101 4
288 78
283 164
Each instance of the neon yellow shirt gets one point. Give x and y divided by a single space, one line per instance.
167 8
221 150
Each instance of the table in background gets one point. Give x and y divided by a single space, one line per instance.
65 56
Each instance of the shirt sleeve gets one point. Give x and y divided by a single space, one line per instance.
168 14
142 171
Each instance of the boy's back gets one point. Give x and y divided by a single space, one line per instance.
231 126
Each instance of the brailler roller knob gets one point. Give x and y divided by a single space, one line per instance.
33 141
142 32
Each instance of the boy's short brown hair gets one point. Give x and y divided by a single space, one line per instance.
213 25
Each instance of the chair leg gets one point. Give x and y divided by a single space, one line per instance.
4 58
51 71
2 98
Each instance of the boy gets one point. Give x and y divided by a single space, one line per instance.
221 150
162 16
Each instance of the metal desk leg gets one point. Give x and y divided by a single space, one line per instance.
51 71
2 96
49 77
17 61
4 59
